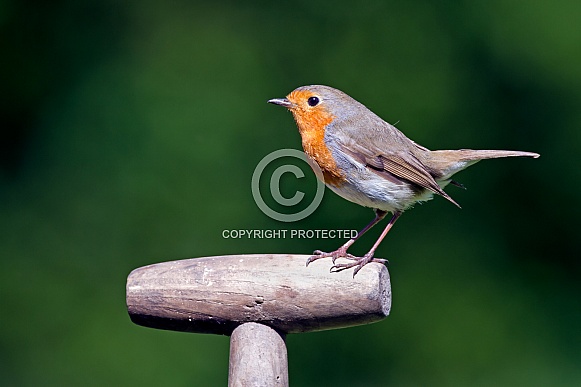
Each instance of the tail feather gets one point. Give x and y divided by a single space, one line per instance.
445 163
475 155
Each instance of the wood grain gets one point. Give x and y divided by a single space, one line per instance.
258 357
217 294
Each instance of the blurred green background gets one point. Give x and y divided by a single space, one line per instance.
130 131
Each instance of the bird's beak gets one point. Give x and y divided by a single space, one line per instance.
282 102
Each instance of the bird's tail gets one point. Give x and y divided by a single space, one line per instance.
448 162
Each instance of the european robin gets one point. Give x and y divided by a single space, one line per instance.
367 161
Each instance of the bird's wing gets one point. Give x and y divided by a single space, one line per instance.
398 168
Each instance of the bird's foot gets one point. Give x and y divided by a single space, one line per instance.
358 263
341 252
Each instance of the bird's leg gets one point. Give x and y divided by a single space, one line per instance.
341 252
359 262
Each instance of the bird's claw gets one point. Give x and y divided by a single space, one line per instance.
334 255
358 263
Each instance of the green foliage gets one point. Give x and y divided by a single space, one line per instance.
130 132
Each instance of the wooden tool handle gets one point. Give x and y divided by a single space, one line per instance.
217 294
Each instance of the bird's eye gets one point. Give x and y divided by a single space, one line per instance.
313 101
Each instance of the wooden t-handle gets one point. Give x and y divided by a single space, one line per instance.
216 294
257 299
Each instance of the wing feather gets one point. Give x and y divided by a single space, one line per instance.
396 168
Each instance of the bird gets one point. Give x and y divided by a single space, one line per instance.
370 162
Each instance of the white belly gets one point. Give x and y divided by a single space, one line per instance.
368 189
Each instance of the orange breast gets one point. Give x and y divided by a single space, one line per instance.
312 124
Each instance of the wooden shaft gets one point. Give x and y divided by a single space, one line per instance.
217 294
258 357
